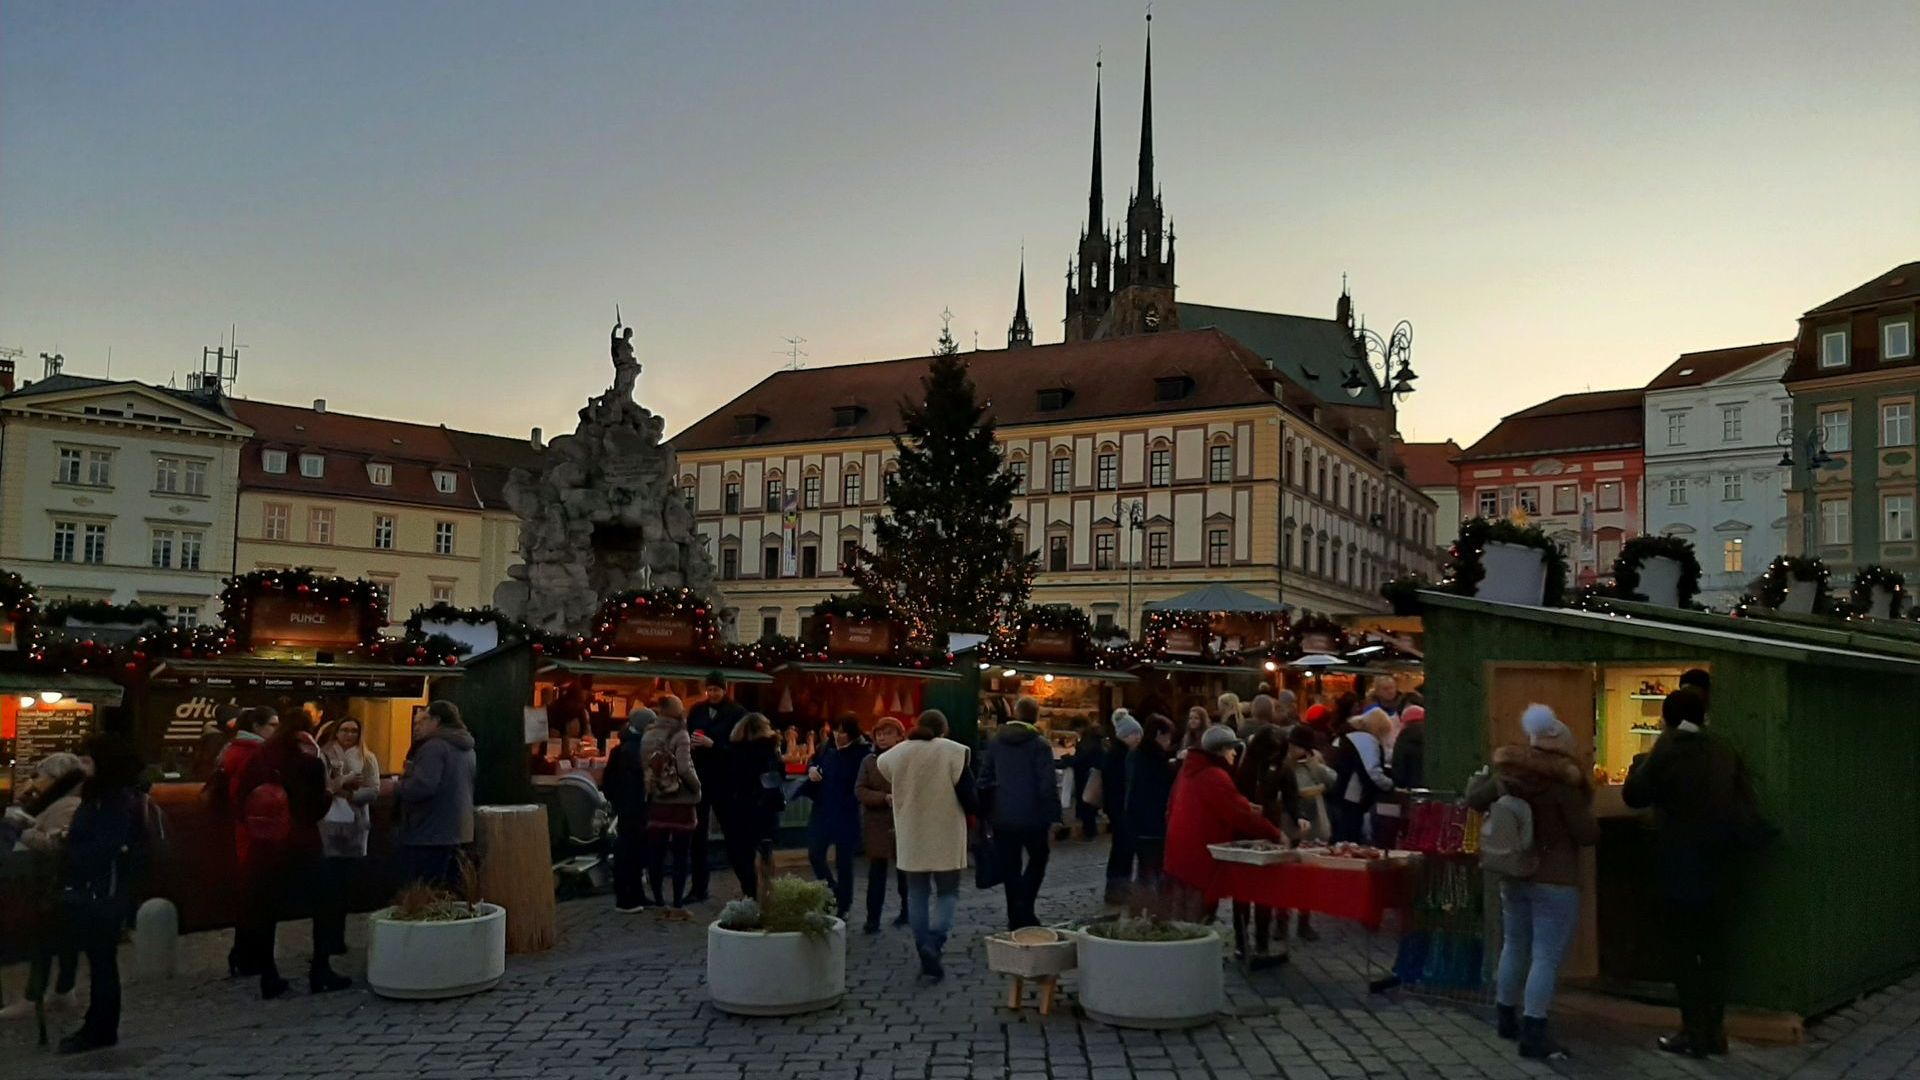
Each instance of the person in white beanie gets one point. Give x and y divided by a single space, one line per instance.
1539 911
1127 733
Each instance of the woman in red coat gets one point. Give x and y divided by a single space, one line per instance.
1207 809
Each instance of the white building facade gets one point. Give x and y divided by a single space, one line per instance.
1713 462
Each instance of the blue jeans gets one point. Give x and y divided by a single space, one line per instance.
1537 923
932 919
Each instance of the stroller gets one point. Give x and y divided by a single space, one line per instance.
582 837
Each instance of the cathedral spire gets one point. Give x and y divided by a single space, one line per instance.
1145 185
1096 212
1020 334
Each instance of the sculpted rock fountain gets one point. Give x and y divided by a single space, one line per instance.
602 515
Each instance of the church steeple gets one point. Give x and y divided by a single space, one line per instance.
1096 209
1143 271
1090 289
1145 184
1020 334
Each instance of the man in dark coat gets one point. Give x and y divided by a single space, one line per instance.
625 786
1023 804
1113 799
710 727
1703 802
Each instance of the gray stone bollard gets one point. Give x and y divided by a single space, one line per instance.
156 939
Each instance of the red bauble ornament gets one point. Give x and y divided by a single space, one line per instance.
303 589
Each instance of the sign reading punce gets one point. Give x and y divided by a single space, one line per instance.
304 622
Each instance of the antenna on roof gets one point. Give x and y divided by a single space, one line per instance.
220 367
796 356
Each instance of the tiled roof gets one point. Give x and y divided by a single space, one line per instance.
1313 353
348 444
492 458
1112 377
1900 283
1570 423
1695 368
1430 464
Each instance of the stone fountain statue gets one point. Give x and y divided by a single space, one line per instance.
602 515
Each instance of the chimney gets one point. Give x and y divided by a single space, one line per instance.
6 383
538 442
319 404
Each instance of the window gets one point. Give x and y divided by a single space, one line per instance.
1489 503
190 545
1103 625
775 495
1606 495
273 521
69 468
381 475
1730 423
1219 548
1220 464
809 561
850 489
1733 487
729 563
443 538
1896 518
732 498
810 492
1018 467
1160 468
320 525
1836 429
1786 417
690 495
1676 492
1676 429
1529 499
1733 556
64 535
313 466
1833 349
1103 550
1172 387
273 461
1287 458
769 626
887 480
443 592
1836 521
1062 478
186 615
1350 475
849 555
1896 423
383 589
1320 556
383 532
93 544
1106 472
1320 477
444 482
1336 483
166 474
770 562
1157 550
1286 547
1056 553
1896 339
162 548
1566 498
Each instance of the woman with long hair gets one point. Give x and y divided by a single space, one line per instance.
353 782
750 810
104 845
282 797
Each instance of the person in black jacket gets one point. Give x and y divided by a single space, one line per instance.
286 846
1150 773
625 785
750 809
1127 734
103 845
710 727
1087 752
1023 804
1708 817
835 821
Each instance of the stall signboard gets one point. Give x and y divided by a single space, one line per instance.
849 637
1050 645
304 622
1186 641
9 634
645 634
299 680
45 730
1317 644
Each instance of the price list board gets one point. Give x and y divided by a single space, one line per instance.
41 732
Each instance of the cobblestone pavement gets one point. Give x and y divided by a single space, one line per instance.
623 996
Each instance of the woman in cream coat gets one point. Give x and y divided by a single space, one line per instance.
932 796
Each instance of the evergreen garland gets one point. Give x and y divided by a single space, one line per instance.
1634 555
102 612
444 612
1873 576
417 650
1311 623
1402 593
1465 569
236 599
946 556
1009 642
1771 589
670 603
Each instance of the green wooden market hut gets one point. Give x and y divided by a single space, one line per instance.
1824 716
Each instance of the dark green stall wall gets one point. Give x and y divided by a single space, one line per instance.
1833 908
491 695
959 700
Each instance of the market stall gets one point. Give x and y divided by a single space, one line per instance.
1047 654
1827 912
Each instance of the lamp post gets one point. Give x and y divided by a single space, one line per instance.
1813 450
1132 518
1383 352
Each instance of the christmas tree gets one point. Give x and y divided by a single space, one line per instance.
946 557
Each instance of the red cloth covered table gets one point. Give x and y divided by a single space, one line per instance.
1364 896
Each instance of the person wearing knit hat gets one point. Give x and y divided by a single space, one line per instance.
1207 809
1410 749
1127 733
1220 740
1541 911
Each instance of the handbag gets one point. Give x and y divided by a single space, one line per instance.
986 866
673 817
1095 793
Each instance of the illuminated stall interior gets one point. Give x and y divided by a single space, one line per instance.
42 714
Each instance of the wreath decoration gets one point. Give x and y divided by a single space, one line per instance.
1874 576
856 608
1312 623
1155 627
417 650
236 599
444 612
1634 555
1402 594
1783 571
1465 569
707 640
102 612
1010 639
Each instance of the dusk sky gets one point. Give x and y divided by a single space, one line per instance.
429 210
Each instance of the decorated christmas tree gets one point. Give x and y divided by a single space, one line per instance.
946 557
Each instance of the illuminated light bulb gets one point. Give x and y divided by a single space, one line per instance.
1009 673
27 701
1049 678
51 697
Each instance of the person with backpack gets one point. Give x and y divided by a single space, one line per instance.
1538 802
283 796
673 802
221 793
105 845
625 785
1708 818
1017 788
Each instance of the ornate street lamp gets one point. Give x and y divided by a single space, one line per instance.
1380 355
1132 518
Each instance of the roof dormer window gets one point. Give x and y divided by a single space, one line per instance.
273 461
313 466
444 482
749 423
1172 388
1054 399
848 415
381 474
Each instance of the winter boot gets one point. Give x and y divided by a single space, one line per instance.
1535 1043
1506 1021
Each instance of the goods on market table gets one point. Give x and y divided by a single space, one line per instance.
1347 855
1253 852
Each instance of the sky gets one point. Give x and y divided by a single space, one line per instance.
429 210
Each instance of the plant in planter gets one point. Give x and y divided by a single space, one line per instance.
1506 561
1151 973
1878 591
432 943
1659 570
781 955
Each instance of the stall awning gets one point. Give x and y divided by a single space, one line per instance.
810 667
1060 671
1225 671
88 688
355 680
643 669
1220 598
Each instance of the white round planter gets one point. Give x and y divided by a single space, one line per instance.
1514 574
428 960
1152 984
1660 581
754 973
